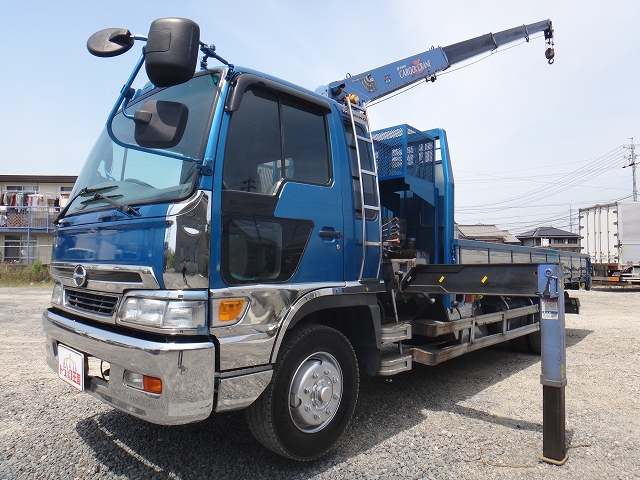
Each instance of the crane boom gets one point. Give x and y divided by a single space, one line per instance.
381 81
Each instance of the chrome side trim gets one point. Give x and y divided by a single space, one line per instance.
187 370
239 392
350 288
250 342
186 237
63 273
295 308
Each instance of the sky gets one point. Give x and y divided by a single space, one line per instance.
530 143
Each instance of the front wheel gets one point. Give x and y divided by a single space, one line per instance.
311 397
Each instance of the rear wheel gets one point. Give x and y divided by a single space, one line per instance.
311 397
531 343
520 344
535 342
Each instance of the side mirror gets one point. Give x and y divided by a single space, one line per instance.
110 42
172 51
160 123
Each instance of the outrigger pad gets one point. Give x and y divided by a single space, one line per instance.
571 305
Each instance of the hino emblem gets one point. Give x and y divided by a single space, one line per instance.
80 276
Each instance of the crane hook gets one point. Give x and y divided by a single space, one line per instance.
548 36
549 54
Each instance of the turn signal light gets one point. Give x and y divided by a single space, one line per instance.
142 382
230 310
151 384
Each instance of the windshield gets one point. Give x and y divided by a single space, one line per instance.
130 176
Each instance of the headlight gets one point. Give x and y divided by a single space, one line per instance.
56 295
163 314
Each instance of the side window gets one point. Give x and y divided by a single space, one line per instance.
257 249
253 151
305 143
366 159
272 138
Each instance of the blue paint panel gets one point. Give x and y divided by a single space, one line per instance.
446 189
137 241
352 254
322 260
213 158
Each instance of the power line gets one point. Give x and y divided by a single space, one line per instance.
587 172
493 178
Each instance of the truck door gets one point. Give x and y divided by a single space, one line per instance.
281 203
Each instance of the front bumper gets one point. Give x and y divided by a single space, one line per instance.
187 370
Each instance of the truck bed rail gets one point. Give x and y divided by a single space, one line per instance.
576 266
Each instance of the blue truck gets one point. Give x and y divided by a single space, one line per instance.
235 241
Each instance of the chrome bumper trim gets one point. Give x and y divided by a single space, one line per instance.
235 393
187 370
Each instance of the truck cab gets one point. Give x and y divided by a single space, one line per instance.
182 275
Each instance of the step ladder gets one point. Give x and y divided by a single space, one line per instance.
358 112
393 363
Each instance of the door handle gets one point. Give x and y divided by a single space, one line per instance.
326 234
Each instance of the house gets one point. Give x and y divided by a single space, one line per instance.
28 206
551 237
486 233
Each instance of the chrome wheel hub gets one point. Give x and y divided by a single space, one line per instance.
315 392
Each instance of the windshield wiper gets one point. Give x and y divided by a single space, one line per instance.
126 209
84 191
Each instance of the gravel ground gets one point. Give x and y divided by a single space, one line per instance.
477 416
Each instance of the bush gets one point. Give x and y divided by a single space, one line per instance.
17 274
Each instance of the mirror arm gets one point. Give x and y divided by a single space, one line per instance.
125 96
125 93
131 91
210 51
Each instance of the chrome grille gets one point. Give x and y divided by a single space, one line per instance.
111 278
91 302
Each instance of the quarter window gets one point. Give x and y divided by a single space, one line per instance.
257 249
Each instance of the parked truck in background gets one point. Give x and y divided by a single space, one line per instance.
234 242
610 235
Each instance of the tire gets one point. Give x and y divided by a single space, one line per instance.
304 410
535 342
520 344
531 343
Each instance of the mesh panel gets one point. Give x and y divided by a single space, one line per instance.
403 150
91 302
388 148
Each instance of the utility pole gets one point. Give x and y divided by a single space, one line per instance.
632 164
570 219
